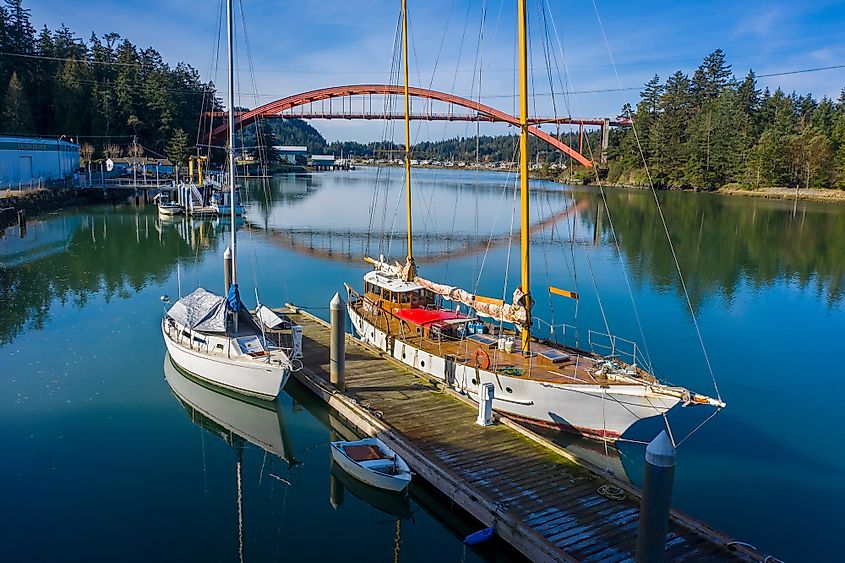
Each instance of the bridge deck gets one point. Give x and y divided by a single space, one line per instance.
540 501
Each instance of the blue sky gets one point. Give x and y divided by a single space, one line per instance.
302 45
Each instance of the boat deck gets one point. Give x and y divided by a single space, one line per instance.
539 499
579 368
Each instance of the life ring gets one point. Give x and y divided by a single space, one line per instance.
482 359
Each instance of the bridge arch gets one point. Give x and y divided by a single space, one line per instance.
312 96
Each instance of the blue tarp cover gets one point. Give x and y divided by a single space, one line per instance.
234 298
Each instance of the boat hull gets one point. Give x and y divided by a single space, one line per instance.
169 210
253 378
226 210
259 422
604 412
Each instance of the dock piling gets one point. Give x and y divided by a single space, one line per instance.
227 268
485 404
660 456
337 352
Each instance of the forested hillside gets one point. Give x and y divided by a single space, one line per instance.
713 129
101 91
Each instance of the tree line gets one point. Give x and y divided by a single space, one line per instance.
712 129
703 131
103 92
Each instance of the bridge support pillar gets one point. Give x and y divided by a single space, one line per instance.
605 139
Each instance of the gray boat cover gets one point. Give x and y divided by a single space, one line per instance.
201 310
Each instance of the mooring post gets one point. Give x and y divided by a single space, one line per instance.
337 354
227 268
485 404
660 456
21 223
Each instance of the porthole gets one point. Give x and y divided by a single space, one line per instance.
422 363
508 389
474 381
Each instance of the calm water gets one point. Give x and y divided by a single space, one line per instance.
110 454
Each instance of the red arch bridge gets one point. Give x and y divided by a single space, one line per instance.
320 106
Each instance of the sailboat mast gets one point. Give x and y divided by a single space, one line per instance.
525 286
231 100
410 266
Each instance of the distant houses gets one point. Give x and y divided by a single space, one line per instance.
140 165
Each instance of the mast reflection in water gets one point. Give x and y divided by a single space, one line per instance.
238 421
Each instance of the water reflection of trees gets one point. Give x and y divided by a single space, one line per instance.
722 242
114 253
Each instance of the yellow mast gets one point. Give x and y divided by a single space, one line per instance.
525 287
410 267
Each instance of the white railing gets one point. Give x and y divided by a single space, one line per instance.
610 345
94 181
24 185
599 343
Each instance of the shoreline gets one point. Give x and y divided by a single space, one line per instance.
826 195
37 202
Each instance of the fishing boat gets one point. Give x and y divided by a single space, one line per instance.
166 208
535 380
372 462
215 338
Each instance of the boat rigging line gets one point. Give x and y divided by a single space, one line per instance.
662 217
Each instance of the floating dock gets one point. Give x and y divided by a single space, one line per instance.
536 495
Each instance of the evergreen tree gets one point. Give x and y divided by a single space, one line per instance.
177 148
17 116
710 78
670 130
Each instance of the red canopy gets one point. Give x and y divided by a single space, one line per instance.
427 316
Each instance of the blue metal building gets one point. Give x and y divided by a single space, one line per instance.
24 160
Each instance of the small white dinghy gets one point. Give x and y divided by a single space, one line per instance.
371 461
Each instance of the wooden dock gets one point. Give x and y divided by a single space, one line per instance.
535 494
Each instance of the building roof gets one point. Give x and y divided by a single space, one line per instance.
290 148
17 142
391 283
322 157
143 160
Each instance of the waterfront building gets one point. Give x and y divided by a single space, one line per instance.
288 153
145 166
28 160
323 161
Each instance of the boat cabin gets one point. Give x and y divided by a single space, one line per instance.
392 293
416 309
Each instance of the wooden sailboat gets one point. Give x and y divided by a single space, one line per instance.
215 338
537 381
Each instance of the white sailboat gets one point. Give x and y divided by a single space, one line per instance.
215 338
231 416
535 380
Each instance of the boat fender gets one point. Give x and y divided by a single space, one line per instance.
482 358
480 536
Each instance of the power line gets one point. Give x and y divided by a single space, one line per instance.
801 71
301 71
